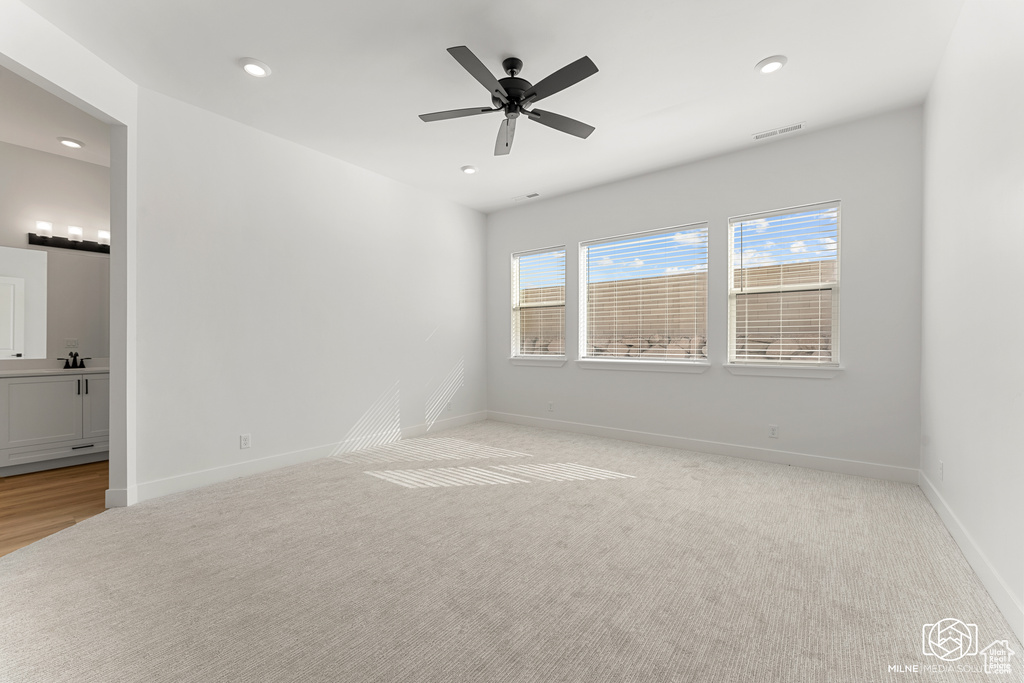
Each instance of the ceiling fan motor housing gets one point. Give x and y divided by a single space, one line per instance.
516 88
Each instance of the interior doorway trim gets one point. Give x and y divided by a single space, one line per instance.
39 52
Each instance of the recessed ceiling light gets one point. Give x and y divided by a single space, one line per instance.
469 170
771 64
254 67
73 144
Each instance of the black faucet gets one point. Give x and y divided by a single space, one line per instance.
73 362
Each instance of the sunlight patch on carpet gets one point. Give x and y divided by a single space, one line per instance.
425 450
495 474
561 471
445 476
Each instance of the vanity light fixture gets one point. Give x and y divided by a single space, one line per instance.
43 237
770 65
254 67
73 144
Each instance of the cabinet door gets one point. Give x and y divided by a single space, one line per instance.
40 410
96 406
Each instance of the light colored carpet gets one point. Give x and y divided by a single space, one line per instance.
689 567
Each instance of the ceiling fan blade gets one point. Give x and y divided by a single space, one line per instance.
455 113
507 131
570 74
562 123
469 61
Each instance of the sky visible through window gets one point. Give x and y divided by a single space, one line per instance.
791 238
648 256
546 269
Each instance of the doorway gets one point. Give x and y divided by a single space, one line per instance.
91 270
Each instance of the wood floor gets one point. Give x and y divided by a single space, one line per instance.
33 506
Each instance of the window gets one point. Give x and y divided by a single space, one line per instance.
784 287
538 303
645 295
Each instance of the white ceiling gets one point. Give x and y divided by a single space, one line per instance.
32 117
676 80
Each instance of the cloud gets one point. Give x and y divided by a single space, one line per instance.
798 247
689 238
636 263
605 261
755 257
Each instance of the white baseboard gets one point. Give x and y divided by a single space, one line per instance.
191 480
120 498
817 462
441 425
995 584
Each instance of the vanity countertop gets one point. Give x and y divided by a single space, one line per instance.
46 372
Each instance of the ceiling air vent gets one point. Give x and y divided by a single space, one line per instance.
524 197
776 132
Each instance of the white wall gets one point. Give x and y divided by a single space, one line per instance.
864 421
35 186
285 294
972 369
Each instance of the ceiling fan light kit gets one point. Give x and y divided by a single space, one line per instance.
514 96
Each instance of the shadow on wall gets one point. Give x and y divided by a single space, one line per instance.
442 396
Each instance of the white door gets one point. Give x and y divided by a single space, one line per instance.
96 409
12 317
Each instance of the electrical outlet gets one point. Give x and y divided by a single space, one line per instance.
942 466
70 343
551 406
773 431
244 441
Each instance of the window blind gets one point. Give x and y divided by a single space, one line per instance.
645 295
784 286
538 303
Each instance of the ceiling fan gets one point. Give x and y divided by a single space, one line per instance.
513 96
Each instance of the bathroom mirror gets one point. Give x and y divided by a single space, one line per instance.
22 303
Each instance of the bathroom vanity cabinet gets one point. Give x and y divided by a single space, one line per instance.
53 415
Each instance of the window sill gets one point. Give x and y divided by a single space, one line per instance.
643 365
538 361
807 371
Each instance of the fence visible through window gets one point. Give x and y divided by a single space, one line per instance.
538 303
645 295
784 287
